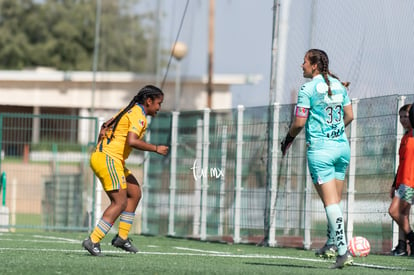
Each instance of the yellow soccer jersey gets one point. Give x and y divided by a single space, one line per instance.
132 121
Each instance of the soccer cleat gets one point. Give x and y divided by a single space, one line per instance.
93 248
327 251
400 250
344 260
124 244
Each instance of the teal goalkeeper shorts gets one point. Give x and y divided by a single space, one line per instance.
328 160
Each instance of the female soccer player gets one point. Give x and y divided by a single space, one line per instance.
118 137
324 109
401 203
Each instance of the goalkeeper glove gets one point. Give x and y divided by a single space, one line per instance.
286 142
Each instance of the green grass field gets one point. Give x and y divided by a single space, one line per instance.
61 253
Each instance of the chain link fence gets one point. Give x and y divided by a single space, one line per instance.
45 163
225 179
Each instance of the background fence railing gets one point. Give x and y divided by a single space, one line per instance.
45 159
223 180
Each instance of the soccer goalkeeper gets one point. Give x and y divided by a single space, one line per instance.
324 110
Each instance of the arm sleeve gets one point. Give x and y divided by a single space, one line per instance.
303 97
346 101
137 124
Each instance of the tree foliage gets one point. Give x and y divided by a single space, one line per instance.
61 33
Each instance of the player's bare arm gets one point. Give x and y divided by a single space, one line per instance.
348 114
297 125
139 144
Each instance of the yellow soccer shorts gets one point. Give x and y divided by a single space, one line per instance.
111 172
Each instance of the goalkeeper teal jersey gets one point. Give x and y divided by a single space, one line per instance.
325 121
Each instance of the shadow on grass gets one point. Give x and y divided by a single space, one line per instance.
368 266
86 254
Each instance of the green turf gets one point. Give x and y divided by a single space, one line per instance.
61 253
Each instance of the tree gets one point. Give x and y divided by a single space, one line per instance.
60 34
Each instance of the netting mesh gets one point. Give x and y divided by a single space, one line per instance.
222 185
224 178
45 162
369 43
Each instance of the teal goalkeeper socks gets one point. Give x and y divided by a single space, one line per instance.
331 233
336 225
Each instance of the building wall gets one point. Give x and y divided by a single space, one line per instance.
74 90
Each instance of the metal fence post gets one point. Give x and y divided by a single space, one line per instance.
3 188
351 173
97 189
204 194
197 178
173 172
4 210
239 163
399 135
223 179
275 172
146 183
1 140
289 202
308 209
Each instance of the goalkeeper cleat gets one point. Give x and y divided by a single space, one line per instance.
327 251
124 244
93 248
344 260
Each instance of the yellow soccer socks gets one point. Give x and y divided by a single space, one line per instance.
125 223
100 231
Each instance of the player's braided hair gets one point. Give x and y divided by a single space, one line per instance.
320 58
148 91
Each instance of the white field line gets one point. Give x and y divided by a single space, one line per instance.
37 241
55 250
203 253
251 256
56 238
382 267
43 239
199 250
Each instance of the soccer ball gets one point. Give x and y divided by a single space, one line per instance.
359 247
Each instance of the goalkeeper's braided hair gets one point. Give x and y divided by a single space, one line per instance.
320 58
148 91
